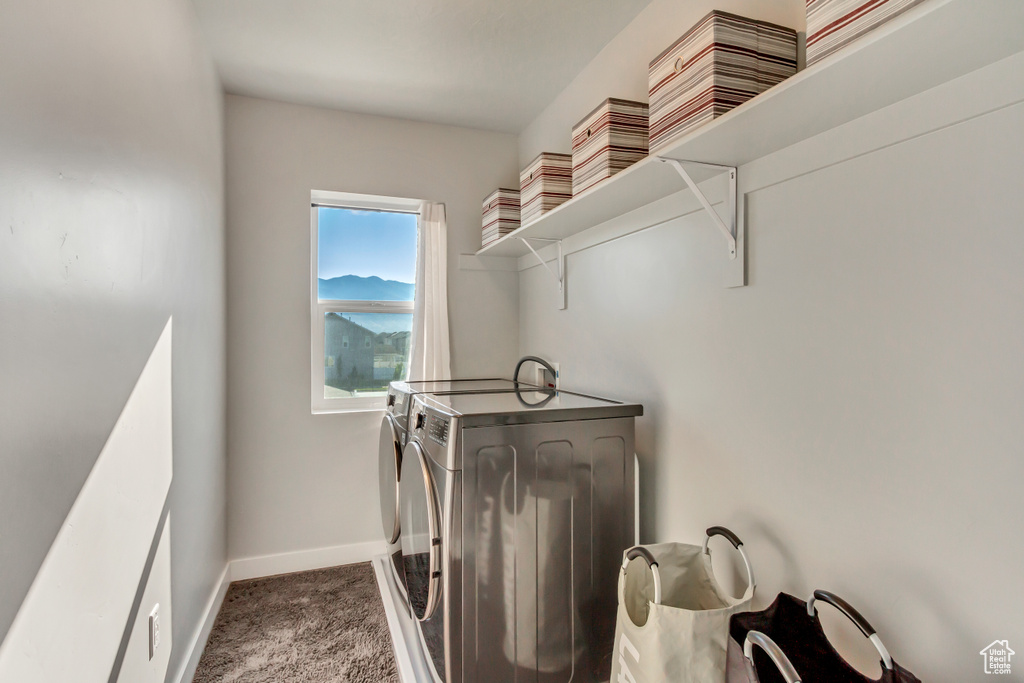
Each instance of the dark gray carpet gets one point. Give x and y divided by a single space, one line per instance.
323 626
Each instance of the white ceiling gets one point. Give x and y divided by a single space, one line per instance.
492 64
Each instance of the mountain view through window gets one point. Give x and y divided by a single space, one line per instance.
365 259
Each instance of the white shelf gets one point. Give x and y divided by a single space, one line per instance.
930 44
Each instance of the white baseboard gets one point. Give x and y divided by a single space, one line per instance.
304 560
195 648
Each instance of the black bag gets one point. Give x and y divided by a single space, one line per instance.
794 626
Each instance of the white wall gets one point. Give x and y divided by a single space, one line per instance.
111 221
854 413
71 623
620 69
298 481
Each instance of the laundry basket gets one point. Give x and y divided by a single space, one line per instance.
673 617
794 626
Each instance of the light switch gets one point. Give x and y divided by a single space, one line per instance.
154 630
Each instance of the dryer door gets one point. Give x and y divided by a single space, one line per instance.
421 533
390 466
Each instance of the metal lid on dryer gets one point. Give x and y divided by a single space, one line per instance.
459 386
527 407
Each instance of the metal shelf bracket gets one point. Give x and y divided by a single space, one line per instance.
560 276
728 229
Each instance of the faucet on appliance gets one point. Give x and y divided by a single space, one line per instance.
550 375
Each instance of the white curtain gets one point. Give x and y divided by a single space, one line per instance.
430 355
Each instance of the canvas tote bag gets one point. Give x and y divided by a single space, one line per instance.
673 617
794 627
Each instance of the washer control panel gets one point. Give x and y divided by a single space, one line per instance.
437 430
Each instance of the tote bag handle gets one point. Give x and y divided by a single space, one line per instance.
772 650
736 543
854 616
652 564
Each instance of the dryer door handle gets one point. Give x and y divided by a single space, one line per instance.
413 456
389 473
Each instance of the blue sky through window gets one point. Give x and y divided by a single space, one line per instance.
366 243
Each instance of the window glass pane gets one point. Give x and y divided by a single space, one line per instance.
363 352
365 255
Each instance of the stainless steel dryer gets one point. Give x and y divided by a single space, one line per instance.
393 435
515 510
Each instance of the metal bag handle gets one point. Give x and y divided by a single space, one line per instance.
854 616
736 543
643 553
778 657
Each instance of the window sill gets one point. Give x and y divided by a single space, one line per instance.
375 404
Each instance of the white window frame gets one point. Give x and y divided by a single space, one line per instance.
319 309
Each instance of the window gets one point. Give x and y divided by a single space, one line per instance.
363 279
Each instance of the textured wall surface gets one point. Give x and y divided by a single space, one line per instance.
111 207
